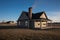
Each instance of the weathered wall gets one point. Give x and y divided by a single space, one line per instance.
23 23
31 24
23 16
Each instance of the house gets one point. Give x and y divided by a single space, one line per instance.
32 20
10 22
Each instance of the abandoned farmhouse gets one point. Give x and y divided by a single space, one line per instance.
32 20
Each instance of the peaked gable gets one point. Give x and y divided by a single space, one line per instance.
23 16
36 15
39 15
43 16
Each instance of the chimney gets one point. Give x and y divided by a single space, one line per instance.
30 12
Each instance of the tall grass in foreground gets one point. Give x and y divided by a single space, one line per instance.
28 34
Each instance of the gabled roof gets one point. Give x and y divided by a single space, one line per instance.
35 15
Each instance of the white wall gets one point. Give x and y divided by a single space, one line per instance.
43 16
37 24
40 24
43 24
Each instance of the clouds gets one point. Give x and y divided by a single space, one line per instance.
38 3
54 16
52 8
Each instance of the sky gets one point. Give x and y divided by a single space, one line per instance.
10 10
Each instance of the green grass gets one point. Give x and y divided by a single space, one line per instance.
28 34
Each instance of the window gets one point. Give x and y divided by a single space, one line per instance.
19 22
44 24
38 24
26 23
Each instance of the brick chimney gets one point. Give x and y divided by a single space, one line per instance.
30 12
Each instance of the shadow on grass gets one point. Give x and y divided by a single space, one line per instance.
17 27
8 27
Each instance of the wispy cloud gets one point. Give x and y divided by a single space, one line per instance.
34 4
54 16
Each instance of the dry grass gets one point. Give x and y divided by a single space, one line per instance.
28 34
8 24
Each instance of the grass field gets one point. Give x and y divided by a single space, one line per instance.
29 34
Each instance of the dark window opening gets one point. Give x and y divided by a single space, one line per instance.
38 24
44 24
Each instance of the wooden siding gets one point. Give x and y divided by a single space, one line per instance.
23 16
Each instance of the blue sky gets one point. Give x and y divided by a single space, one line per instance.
11 9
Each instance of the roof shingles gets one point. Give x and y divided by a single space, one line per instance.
36 15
